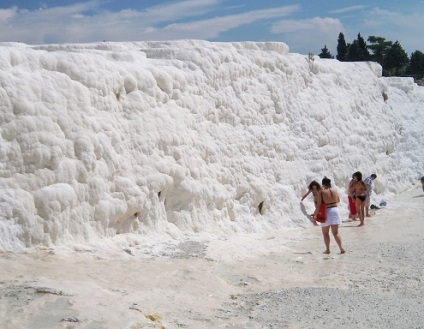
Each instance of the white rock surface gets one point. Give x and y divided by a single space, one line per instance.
168 138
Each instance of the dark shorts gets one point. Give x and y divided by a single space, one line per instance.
362 197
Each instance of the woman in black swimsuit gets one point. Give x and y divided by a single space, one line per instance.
359 189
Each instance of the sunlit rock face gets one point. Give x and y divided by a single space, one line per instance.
189 136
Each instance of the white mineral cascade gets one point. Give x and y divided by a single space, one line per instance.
168 138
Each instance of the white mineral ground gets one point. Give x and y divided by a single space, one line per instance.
277 279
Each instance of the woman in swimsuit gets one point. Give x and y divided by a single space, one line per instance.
331 198
359 189
313 188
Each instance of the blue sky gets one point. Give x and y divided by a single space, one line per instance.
304 25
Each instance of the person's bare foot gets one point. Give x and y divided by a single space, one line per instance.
362 224
342 251
327 252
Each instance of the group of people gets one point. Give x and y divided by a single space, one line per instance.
359 192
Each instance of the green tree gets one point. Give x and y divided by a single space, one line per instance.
357 51
325 53
416 64
395 61
362 53
379 47
341 48
352 51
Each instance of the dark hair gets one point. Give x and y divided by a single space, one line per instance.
326 182
314 183
374 176
358 176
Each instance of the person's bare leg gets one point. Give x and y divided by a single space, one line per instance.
367 206
326 235
337 237
362 213
361 218
359 209
367 212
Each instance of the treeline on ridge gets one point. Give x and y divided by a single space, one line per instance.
390 55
